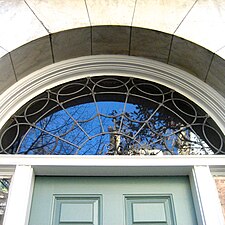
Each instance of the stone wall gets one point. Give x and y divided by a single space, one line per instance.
220 183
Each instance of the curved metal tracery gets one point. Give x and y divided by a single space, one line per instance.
111 115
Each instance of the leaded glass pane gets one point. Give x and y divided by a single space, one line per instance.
108 116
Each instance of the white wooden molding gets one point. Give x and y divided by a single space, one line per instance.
104 65
205 196
20 195
75 165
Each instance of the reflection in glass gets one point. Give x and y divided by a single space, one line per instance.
4 189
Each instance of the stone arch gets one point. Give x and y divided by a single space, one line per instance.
120 40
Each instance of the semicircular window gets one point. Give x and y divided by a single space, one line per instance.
111 116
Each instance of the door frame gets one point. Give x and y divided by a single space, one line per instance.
199 169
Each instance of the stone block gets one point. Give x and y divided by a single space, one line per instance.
216 75
71 43
7 75
110 40
190 57
150 44
32 56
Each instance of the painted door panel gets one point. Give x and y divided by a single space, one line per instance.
112 201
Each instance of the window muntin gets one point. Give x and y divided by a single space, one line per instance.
111 115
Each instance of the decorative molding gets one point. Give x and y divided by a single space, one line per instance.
75 165
188 85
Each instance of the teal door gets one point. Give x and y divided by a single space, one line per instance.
112 201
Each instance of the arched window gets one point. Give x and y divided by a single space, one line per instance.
111 115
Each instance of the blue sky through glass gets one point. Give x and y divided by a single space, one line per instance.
83 131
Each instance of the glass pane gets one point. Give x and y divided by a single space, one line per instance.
4 189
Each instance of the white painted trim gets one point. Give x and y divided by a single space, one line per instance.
196 199
205 195
112 165
193 88
20 196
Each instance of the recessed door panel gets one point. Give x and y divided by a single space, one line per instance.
76 209
150 209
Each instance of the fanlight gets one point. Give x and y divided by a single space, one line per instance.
109 116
